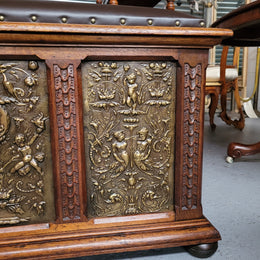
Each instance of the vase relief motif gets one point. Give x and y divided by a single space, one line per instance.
129 119
25 162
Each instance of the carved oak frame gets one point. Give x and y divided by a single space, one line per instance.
72 233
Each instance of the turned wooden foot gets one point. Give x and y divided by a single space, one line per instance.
236 150
202 250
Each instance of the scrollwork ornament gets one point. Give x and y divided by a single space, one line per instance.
24 138
129 123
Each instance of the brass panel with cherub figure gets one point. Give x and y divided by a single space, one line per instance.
129 119
26 184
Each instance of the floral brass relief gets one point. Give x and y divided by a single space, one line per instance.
129 118
25 162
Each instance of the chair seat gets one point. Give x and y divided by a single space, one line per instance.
219 85
213 74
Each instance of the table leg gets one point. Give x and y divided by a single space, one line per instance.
236 150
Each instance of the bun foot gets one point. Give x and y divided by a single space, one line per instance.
202 250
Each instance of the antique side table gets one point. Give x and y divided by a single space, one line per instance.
101 129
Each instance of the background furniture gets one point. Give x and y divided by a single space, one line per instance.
219 81
245 22
151 3
101 129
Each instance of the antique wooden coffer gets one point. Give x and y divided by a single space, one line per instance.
101 129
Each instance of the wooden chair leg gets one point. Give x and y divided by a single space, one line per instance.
212 108
240 124
236 150
223 101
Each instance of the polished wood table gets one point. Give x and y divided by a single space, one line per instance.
245 22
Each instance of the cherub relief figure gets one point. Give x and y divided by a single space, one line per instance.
132 91
119 151
143 149
25 149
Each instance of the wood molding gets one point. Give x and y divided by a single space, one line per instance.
66 121
90 242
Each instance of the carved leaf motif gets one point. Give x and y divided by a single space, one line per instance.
192 101
64 81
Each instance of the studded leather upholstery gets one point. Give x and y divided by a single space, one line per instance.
71 12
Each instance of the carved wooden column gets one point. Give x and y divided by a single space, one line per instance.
170 5
65 93
189 136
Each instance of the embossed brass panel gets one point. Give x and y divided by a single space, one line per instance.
26 185
129 119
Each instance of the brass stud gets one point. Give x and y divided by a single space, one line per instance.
93 20
150 21
33 65
202 24
2 18
34 18
177 23
64 19
122 20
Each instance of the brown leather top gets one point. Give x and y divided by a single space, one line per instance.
72 12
